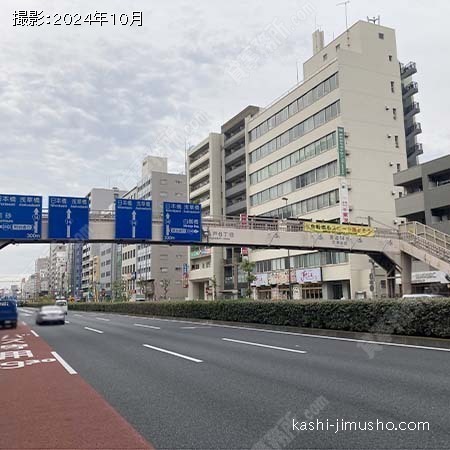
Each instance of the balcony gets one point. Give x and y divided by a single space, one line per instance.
415 149
407 70
199 174
237 208
198 161
233 139
414 130
410 89
199 191
239 153
411 110
201 274
235 173
236 189
410 204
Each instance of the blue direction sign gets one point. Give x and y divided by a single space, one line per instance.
68 218
182 222
20 216
133 219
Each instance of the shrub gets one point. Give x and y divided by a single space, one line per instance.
417 317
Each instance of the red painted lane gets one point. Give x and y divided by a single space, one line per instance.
45 407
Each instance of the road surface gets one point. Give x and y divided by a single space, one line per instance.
191 385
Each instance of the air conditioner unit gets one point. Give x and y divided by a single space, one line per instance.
391 163
389 136
350 208
393 192
347 152
349 170
387 108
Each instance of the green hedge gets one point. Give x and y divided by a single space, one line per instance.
425 317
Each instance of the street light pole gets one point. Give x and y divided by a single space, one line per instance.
289 259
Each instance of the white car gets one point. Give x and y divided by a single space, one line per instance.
50 314
63 305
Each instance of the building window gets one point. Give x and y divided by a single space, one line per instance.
325 57
390 58
381 35
392 86
394 113
396 142
163 181
299 182
164 269
296 106
163 194
398 167
327 114
338 47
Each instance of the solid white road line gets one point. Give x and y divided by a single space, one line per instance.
315 336
78 315
94 330
34 333
192 328
101 318
146 326
26 315
173 353
263 345
67 321
66 366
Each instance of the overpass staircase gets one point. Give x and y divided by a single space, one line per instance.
426 244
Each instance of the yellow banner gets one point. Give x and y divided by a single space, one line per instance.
337 228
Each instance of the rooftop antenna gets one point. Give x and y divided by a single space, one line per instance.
346 12
375 20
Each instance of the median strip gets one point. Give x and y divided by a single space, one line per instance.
146 326
263 345
94 330
173 353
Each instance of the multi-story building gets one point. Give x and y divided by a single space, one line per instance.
234 189
156 271
327 151
42 275
57 270
99 200
217 180
204 172
425 197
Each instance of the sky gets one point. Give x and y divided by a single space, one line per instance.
80 106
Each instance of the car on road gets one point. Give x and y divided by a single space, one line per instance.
50 314
8 312
62 304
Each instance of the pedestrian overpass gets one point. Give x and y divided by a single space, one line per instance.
392 249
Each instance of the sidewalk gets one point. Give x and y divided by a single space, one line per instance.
47 405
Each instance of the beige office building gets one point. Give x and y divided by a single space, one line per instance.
327 151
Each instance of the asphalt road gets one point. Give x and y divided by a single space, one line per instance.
188 385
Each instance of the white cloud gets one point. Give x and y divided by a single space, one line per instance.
80 105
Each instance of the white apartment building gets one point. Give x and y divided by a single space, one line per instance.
327 151
57 271
156 271
204 170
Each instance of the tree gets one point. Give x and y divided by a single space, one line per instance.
248 267
165 287
118 291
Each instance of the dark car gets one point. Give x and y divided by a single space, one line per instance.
8 312
50 314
